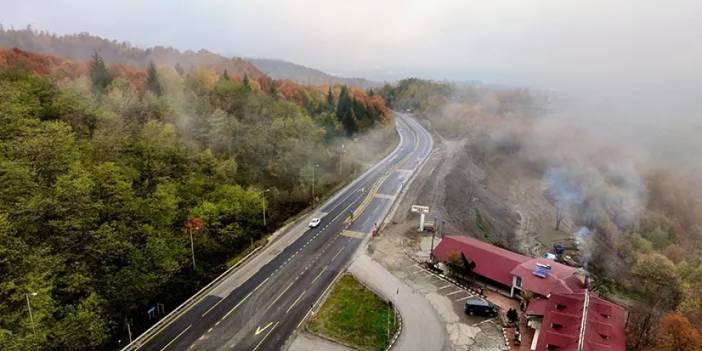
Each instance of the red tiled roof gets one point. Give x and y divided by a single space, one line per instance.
537 307
490 261
500 265
560 279
604 327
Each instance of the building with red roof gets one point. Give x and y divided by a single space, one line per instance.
518 272
564 314
491 262
560 278
581 321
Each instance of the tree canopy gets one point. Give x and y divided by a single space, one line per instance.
102 167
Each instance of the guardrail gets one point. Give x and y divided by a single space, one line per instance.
317 304
183 307
164 322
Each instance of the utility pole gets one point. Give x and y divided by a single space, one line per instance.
431 248
129 330
192 246
29 308
264 206
314 168
341 159
194 223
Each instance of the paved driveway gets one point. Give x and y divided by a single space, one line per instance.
422 330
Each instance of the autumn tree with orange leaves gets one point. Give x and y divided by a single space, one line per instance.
676 333
112 172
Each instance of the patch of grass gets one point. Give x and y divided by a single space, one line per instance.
355 316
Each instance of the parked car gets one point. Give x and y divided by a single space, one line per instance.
479 306
315 222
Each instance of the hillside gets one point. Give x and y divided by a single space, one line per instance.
82 46
278 69
103 166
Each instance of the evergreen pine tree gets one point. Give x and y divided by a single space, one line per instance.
344 103
247 84
274 90
330 100
350 122
152 82
99 75
225 75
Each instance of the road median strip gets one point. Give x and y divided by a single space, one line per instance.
353 234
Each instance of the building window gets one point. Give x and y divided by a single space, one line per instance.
556 326
517 281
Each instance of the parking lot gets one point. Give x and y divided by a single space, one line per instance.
465 332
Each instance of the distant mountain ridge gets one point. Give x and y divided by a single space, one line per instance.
279 69
82 46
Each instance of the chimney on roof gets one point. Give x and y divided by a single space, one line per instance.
586 283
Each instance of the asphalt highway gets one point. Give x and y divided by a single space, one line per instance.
261 309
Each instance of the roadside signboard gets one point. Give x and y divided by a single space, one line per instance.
420 209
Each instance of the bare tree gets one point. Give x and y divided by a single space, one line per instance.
559 218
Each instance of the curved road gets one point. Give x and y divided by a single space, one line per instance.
258 306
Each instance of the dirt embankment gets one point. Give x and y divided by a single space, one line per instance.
488 195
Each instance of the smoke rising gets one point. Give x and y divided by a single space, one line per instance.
583 240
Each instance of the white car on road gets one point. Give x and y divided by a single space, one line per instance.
315 222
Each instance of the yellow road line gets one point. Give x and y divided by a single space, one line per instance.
177 336
265 336
344 211
295 302
353 234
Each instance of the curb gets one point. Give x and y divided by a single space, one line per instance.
186 305
363 246
444 277
398 331
470 291
164 322
397 314
504 334
401 195
326 294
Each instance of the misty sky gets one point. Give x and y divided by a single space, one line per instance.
554 44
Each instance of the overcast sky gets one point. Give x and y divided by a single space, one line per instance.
556 44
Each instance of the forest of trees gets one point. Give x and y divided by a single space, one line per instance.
82 46
103 165
651 265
